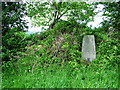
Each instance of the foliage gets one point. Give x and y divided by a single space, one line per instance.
49 13
54 58
13 37
12 14
112 11
109 33
111 21
60 56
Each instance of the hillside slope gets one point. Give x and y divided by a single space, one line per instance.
55 60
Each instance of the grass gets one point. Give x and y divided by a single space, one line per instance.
56 76
99 74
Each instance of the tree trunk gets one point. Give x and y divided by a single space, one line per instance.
52 25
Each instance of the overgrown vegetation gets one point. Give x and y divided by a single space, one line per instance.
52 59
13 28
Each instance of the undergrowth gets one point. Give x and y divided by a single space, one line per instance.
54 61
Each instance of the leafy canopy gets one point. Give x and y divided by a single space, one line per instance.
13 27
49 13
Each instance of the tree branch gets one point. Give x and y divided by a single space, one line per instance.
62 14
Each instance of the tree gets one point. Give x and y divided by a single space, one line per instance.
12 28
112 12
112 24
110 32
49 13
12 13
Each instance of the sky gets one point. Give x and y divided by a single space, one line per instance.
96 23
98 18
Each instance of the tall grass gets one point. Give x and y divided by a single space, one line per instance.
56 76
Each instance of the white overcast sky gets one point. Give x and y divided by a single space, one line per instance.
96 23
98 18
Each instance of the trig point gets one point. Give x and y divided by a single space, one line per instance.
88 48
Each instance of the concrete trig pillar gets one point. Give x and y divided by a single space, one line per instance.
88 48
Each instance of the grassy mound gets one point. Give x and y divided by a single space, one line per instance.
54 61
